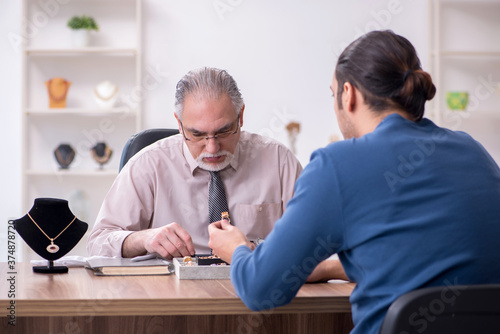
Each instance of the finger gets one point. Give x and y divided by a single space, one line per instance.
213 238
170 248
216 224
179 241
174 244
214 234
162 244
212 228
188 242
159 248
225 224
154 244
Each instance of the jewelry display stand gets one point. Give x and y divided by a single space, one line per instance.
101 153
64 155
50 269
57 89
51 230
105 94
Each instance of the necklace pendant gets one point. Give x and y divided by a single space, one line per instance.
52 248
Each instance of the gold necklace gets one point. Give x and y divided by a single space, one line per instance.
105 158
52 248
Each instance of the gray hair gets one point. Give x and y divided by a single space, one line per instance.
208 83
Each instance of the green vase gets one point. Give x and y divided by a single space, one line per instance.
457 100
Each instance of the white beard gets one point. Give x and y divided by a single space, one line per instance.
211 167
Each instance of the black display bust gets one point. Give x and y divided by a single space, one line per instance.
55 219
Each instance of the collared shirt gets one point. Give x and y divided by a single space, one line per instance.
163 184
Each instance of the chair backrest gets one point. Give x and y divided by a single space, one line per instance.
142 139
445 309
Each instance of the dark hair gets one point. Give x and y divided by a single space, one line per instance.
385 68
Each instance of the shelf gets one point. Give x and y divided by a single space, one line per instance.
103 51
475 113
101 2
114 53
470 2
470 54
71 172
80 111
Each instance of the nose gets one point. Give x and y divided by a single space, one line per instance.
212 145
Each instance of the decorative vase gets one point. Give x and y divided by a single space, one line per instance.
80 38
457 100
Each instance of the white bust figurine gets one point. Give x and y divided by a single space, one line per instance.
105 94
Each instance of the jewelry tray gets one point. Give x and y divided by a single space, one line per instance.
211 268
208 259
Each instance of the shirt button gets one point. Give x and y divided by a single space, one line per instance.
260 209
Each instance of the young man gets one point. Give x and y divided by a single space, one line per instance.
405 204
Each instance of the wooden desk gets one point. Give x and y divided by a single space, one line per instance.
79 302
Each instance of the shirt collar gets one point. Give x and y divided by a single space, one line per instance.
193 165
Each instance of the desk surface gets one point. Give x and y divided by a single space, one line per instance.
80 293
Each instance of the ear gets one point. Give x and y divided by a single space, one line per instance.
349 97
241 116
178 123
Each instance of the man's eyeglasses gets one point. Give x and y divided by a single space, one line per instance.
200 139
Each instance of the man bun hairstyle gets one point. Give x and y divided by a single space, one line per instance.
385 68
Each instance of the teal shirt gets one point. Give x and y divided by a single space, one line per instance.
407 206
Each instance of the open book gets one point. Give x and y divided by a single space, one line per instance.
129 266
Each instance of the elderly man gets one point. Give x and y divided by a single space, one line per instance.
159 203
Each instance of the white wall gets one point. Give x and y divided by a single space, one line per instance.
10 121
281 53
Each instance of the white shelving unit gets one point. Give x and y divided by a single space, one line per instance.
464 46
114 54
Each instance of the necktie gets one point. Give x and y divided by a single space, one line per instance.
217 202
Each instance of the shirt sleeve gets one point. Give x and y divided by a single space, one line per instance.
310 231
290 172
128 207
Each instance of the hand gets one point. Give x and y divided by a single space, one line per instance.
225 238
167 241
327 270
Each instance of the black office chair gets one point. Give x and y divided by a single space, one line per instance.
445 309
142 139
